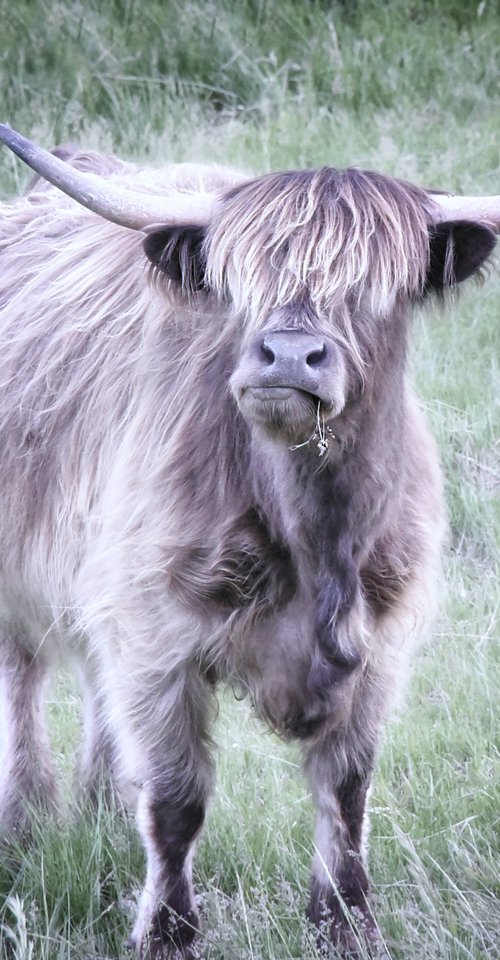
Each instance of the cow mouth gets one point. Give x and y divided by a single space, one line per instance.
284 410
281 393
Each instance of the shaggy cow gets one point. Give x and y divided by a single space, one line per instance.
214 470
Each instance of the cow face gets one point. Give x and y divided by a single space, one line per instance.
291 374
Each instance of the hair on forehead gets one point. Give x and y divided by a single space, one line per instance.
325 235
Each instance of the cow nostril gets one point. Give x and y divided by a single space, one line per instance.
316 357
267 352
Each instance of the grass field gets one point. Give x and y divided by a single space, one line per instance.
411 89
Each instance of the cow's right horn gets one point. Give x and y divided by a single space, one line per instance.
128 208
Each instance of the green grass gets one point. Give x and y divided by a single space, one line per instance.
411 89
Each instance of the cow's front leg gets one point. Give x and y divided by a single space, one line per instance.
168 921
339 768
171 753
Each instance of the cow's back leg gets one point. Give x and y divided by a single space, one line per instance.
27 776
164 738
96 765
339 767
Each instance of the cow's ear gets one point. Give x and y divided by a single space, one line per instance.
457 250
177 252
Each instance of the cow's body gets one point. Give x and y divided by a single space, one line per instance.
174 528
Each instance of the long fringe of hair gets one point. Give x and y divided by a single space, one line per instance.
336 241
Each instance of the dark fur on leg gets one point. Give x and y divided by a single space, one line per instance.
342 912
340 902
175 923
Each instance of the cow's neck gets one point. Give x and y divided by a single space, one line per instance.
332 509
314 500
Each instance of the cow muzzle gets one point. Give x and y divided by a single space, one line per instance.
286 377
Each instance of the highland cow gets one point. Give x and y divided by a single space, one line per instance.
213 470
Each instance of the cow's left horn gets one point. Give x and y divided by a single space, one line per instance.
128 208
481 209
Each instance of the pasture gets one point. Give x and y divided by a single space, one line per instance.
410 89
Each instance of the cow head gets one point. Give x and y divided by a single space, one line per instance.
315 269
312 267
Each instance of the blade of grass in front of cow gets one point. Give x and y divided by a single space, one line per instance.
408 89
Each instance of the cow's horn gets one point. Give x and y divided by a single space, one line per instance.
480 209
130 209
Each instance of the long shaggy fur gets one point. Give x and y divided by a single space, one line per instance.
150 529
